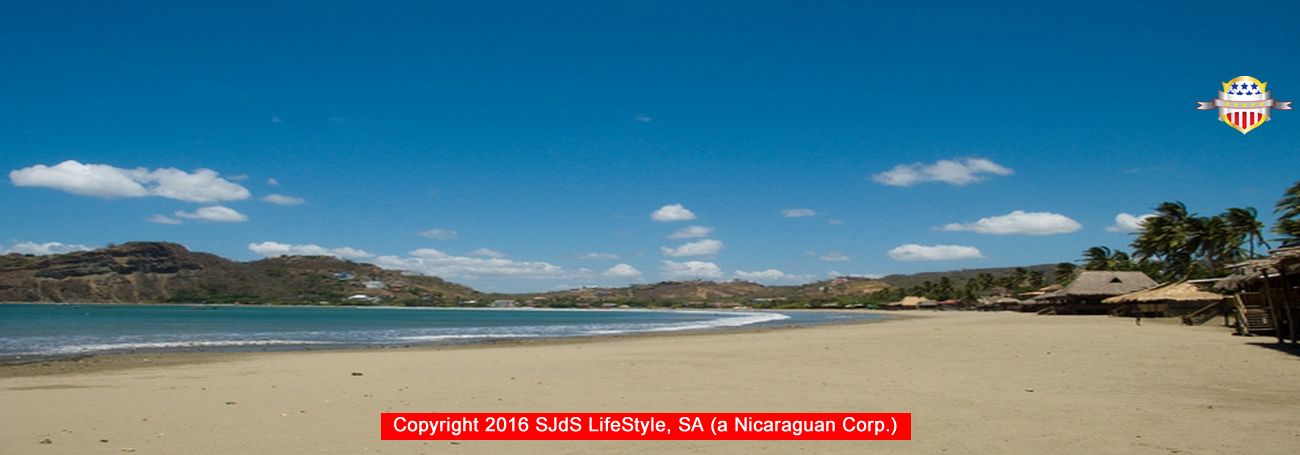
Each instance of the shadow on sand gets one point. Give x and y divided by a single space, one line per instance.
1286 348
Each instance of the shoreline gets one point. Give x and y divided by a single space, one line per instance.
974 383
113 361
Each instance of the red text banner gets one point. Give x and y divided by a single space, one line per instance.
396 426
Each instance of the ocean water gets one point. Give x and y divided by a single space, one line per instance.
53 330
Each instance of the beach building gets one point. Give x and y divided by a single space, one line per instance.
1040 292
1266 297
911 302
1171 299
997 303
360 298
374 284
1085 294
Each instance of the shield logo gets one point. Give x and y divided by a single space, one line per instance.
1244 104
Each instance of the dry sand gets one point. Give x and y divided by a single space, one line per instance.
974 382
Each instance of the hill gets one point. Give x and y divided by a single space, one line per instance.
712 292
960 276
157 272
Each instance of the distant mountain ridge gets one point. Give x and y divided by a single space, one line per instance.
960 276
159 272
714 291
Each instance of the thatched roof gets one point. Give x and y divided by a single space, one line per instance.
1243 273
911 300
1094 283
1173 292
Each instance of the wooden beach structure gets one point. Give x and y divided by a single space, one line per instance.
1182 298
1266 297
1085 294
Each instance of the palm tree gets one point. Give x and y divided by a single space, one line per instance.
1064 273
1120 260
1245 222
1288 220
970 288
944 289
1290 230
1035 279
1214 243
1168 237
1019 276
1096 258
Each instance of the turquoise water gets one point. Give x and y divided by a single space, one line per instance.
50 330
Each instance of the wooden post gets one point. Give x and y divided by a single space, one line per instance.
1288 295
1272 309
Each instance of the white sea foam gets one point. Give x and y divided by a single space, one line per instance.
162 345
62 345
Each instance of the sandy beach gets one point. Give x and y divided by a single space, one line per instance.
975 383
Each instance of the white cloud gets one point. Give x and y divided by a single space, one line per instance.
84 179
43 249
770 276
643 118
622 271
273 249
1020 222
102 180
914 252
203 185
280 199
214 213
485 252
690 270
597 256
440 234
961 171
1125 222
706 247
797 213
162 219
672 212
691 232
433 262
833 256
834 221
272 182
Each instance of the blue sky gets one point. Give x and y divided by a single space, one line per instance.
543 132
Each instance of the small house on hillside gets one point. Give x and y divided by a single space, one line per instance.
1085 294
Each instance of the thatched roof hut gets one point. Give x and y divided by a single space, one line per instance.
910 301
1181 291
1041 291
1254 270
1089 288
1101 284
